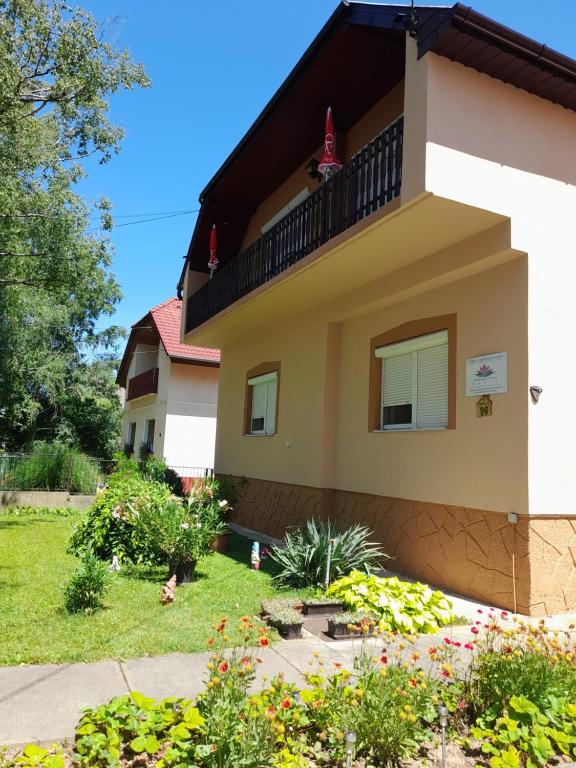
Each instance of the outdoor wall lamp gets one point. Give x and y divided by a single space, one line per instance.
535 393
443 720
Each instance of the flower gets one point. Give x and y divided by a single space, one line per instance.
223 667
210 641
271 711
504 614
447 641
222 503
185 526
286 703
383 659
263 641
469 647
474 630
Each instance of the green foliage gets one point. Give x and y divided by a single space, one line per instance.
155 469
55 467
403 606
527 735
57 71
87 586
391 709
112 524
284 616
18 511
33 756
303 558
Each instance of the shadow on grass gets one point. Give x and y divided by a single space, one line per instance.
156 574
12 522
241 550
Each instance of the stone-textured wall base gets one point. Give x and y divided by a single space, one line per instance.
529 566
51 499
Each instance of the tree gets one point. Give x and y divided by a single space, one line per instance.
56 74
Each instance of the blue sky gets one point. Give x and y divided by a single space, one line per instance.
214 64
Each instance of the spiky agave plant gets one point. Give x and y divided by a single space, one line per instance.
303 556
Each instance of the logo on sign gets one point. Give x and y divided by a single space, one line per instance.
484 371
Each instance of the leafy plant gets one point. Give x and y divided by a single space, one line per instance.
401 606
285 616
528 736
111 525
87 586
55 467
33 756
303 558
155 469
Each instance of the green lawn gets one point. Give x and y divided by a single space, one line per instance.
34 628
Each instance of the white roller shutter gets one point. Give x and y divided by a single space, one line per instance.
259 399
270 423
432 388
397 380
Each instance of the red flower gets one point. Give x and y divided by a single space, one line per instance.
445 673
383 659
286 703
223 667
447 641
469 647
245 660
263 641
337 664
271 711
504 614
457 644
432 651
413 682
479 610
474 630
462 704
210 641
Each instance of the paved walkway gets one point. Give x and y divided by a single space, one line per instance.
43 703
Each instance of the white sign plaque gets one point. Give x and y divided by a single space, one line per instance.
487 374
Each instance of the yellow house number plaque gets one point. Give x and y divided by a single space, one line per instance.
484 406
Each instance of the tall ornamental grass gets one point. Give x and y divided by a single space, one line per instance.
55 467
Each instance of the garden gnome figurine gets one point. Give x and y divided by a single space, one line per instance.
115 565
255 556
169 591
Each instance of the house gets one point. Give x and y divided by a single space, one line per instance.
397 335
170 392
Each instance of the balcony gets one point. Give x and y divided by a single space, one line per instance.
145 383
367 182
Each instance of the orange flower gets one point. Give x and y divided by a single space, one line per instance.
263 641
210 641
384 659
286 703
223 667
271 711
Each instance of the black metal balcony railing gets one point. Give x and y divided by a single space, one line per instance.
368 181
145 383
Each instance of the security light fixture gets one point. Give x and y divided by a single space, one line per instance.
535 393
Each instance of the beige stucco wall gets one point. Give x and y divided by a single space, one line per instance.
512 152
323 438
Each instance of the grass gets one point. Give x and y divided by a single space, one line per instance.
34 567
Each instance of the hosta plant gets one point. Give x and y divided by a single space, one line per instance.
303 557
401 606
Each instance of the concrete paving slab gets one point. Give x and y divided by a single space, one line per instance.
38 703
177 674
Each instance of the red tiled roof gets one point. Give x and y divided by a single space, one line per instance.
167 318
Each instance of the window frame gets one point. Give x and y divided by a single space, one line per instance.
150 442
263 369
411 330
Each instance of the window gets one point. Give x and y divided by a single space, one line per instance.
414 383
131 439
263 410
149 439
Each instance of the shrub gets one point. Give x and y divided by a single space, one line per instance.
401 606
87 586
521 660
303 559
111 525
18 511
56 467
155 469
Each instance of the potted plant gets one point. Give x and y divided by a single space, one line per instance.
345 625
288 623
204 501
323 606
278 604
179 535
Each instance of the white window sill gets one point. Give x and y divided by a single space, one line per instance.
410 429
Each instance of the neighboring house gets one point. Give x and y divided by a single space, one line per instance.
171 392
350 328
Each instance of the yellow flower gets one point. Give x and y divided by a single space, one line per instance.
407 707
412 718
402 715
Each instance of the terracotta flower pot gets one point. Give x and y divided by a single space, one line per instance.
184 571
222 542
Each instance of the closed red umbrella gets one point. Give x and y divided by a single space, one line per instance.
329 163
212 261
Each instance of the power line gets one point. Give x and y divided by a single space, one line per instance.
145 221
